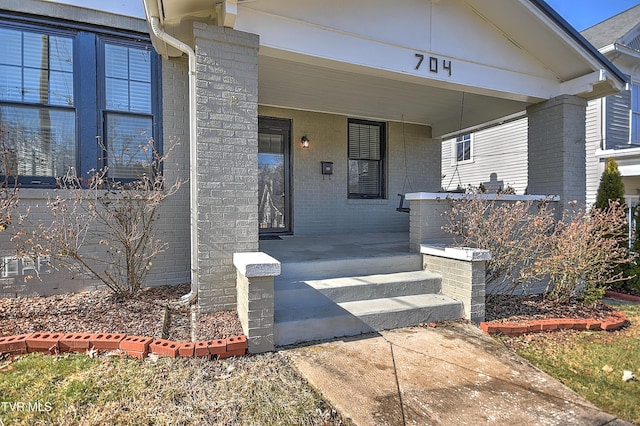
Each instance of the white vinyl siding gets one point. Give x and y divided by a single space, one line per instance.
594 139
501 150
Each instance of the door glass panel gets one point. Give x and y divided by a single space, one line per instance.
271 182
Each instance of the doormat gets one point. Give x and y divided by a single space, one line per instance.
269 237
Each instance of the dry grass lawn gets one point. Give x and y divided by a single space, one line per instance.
79 390
592 363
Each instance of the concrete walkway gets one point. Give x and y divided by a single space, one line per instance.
454 375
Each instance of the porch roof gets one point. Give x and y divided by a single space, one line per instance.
481 60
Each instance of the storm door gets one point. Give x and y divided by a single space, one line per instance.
274 177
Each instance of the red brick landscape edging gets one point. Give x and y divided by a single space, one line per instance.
613 322
622 296
136 346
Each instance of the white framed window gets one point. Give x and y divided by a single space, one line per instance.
463 149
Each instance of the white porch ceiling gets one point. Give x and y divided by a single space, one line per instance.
297 85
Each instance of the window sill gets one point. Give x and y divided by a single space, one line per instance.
368 201
460 163
43 193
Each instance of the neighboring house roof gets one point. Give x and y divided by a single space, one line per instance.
613 29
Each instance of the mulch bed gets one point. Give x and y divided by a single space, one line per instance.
510 308
515 316
99 311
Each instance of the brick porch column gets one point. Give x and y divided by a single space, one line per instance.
227 166
557 149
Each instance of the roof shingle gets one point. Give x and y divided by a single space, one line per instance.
609 31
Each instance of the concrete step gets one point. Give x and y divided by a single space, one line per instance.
363 316
352 266
295 294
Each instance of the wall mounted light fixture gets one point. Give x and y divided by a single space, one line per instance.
305 142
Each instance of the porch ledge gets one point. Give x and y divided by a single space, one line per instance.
256 264
414 196
467 254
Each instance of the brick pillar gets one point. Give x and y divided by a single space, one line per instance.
557 149
427 218
256 307
463 276
227 166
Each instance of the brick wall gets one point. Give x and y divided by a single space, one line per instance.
256 311
427 219
76 13
170 266
256 308
556 147
462 280
227 168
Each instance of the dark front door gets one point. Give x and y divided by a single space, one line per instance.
274 195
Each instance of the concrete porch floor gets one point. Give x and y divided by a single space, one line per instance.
327 247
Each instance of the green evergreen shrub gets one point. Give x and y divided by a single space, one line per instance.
611 187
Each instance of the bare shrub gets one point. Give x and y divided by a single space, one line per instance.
578 255
586 252
118 216
514 232
8 184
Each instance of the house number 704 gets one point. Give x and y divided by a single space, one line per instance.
433 63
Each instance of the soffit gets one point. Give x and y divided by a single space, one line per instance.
533 32
173 12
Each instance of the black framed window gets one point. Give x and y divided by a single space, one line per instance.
366 140
127 109
76 99
37 103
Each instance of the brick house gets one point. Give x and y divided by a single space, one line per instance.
301 119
